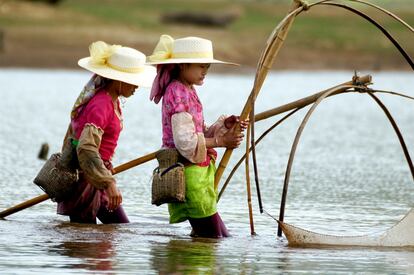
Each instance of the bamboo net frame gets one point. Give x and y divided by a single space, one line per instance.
268 57
302 126
275 43
296 106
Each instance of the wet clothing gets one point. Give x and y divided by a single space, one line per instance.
201 198
88 203
184 129
96 127
209 227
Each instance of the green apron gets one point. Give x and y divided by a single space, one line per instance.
201 198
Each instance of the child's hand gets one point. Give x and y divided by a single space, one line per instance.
232 120
244 124
114 196
231 139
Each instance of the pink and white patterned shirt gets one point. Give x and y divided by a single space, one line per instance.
179 99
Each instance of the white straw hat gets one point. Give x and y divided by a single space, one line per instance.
183 50
118 63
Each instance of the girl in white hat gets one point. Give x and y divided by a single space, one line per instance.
96 122
181 64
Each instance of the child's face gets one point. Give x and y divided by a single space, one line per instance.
126 89
194 73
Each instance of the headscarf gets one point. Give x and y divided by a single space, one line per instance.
165 74
94 84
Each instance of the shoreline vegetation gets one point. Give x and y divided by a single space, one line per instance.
35 34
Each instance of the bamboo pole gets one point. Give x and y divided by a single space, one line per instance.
254 158
134 163
274 44
295 106
386 12
364 80
396 130
381 28
223 188
249 194
41 198
302 127
294 147
23 205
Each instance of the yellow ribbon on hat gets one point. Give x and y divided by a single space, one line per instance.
163 50
126 70
193 55
101 51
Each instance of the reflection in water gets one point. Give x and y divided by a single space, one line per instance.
90 244
97 256
195 256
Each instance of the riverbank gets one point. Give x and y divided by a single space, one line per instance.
37 35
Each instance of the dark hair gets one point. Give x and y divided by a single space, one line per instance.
105 81
175 71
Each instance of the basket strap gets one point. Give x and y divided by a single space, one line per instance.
178 164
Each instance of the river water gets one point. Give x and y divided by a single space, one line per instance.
349 177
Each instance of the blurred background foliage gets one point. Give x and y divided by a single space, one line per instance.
53 33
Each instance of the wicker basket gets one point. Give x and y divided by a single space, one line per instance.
167 157
168 182
55 179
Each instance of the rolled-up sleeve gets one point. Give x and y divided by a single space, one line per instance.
217 128
190 144
89 158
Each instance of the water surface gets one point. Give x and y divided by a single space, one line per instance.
349 177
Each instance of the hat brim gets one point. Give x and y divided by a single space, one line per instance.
191 60
143 78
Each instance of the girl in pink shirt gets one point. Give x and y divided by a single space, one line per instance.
96 122
181 64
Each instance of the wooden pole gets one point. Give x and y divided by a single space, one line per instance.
41 198
134 163
256 171
365 80
268 56
296 105
24 205
386 12
293 151
249 194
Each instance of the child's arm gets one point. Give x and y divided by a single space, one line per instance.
217 128
190 144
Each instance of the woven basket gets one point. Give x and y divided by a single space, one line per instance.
168 181
56 180
167 157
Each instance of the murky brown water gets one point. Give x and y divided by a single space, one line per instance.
349 178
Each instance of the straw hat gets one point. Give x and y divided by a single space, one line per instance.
118 63
183 50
